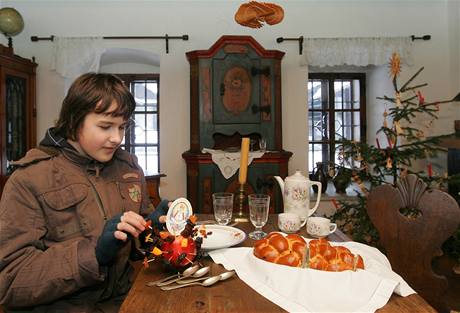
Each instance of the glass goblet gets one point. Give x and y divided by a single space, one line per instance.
258 214
223 207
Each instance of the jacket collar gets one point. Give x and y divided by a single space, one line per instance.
53 142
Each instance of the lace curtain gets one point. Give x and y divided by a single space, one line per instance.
355 51
75 56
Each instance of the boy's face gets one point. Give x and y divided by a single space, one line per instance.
100 135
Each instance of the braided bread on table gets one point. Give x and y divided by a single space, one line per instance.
325 257
276 248
289 250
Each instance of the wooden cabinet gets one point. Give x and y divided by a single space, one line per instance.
204 178
235 92
17 109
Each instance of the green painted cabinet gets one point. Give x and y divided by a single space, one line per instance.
235 92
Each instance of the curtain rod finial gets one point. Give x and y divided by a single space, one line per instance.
424 37
457 97
279 39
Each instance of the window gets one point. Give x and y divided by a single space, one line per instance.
336 110
142 139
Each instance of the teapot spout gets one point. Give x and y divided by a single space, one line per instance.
280 182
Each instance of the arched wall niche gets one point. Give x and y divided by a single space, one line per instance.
129 61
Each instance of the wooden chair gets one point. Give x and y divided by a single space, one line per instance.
153 188
412 243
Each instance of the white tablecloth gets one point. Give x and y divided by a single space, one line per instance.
229 162
309 290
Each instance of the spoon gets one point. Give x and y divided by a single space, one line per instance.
186 273
201 272
223 276
207 282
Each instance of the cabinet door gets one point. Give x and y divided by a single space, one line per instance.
235 90
17 119
211 180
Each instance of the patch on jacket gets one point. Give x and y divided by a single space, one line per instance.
135 193
130 175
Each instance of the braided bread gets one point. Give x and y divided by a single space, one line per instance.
279 249
254 14
325 257
289 250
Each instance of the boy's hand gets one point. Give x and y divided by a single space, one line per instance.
115 234
158 217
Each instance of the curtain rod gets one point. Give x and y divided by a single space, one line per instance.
165 37
301 39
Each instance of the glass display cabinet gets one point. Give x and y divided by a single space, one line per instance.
17 110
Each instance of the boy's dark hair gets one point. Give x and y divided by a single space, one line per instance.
93 92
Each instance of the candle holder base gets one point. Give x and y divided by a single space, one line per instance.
241 220
241 217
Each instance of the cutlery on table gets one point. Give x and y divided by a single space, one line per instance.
223 276
199 273
186 273
206 283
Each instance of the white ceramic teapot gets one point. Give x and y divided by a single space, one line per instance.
296 195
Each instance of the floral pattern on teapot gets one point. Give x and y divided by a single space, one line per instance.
298 193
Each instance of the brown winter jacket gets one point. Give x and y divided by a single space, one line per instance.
52 211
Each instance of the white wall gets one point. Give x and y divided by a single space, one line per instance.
205 22
128 68
378 85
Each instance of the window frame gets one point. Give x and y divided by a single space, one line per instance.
129 134
331 141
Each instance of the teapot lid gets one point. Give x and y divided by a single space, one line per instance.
297 176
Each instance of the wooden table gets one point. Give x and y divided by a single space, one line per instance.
232 295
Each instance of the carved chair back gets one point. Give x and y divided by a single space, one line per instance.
411 242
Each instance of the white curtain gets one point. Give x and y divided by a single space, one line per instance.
355 51
75 56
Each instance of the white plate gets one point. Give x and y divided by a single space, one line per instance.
178 213
222 237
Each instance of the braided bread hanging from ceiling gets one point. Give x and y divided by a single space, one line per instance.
254 14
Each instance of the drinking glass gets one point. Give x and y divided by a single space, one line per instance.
223 207
258 214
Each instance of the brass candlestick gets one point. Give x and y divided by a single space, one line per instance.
241 216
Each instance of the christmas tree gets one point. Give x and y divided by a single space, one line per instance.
405 143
